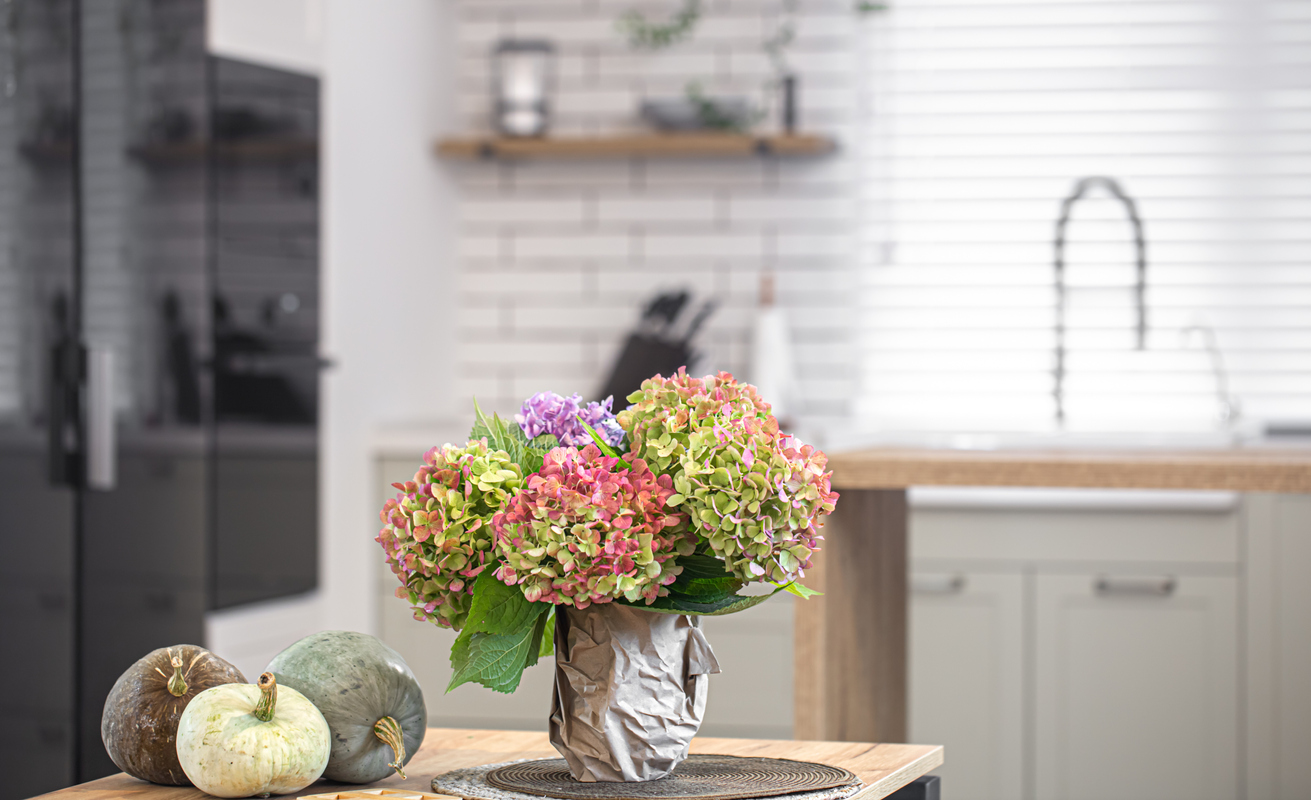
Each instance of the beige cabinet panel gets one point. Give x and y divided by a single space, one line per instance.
1293 654
752 697
966 672
1136 690
1035 535
1278 645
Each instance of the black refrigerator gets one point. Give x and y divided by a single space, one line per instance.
159 358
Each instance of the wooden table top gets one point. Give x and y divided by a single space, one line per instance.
1281 470
883 767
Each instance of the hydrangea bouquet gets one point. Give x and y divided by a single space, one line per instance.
673 505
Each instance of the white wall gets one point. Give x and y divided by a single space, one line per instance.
278 33
388 263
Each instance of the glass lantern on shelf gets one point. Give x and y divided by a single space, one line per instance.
522 74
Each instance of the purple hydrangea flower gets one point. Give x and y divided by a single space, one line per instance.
603 421
548 412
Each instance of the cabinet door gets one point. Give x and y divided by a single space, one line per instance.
966 673
1136 687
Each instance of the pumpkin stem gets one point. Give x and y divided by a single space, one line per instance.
177 685
390 732
268 691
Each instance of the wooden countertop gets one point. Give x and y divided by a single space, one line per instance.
884 768
1258 469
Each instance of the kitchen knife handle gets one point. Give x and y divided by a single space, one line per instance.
101 436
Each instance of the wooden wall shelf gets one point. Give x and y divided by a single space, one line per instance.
682 145
269 149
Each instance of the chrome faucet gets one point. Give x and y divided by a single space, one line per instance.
1227 408
1140 295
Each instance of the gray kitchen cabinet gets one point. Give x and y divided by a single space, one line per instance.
967 678
1135 686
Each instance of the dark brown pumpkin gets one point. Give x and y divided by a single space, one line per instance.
140 723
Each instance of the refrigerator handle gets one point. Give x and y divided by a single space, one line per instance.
101 441
61 396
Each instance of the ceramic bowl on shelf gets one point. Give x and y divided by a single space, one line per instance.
687 115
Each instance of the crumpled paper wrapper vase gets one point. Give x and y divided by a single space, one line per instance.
630 690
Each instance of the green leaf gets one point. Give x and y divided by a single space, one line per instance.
545 442
501 638
705 591
543 637
704 579
711 597
498 608
657 36
606 449
702 567
493 660
804 592
730 605
502 435
535 450
482 427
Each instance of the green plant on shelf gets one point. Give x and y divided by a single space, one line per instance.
643 34
646 35
713 118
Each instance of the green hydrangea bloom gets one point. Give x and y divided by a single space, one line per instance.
756 496
437 532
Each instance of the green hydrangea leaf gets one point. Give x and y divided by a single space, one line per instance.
545 442
700 566
493 660
804 592
507 437
732 604
704 591
499 609
543 645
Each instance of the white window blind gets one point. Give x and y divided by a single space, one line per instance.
980 118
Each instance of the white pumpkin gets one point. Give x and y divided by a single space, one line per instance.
246 740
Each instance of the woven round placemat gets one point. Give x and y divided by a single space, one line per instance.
700 777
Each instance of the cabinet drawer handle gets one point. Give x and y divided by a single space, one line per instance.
1135 587
938 584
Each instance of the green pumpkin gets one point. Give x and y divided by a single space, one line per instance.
368 695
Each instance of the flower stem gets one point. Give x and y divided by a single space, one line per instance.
388 730
268 691
177 685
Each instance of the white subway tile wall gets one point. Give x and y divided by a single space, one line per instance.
557 257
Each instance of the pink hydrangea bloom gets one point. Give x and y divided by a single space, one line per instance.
589 529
